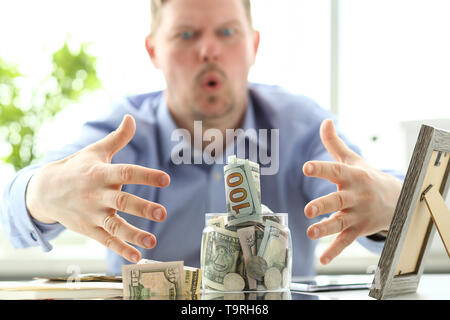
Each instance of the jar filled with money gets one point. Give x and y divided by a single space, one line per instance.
252 255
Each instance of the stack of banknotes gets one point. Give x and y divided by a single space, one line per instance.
152 279
248 248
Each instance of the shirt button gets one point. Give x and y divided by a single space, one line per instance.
217 176
33 235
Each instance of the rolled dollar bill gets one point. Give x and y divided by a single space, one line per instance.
274 245
248 245
243 191
221 255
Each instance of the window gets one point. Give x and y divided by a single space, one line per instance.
394 75
394 68
295 46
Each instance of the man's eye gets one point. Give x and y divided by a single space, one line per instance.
186 35
227 32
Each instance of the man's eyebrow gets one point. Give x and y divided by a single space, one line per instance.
231 22
185 26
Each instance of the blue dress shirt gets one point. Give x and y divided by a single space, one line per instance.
196 189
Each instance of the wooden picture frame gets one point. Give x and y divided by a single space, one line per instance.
420 210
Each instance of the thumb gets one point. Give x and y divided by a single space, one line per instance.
118 139
335 146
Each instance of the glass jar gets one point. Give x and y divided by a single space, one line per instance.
252 256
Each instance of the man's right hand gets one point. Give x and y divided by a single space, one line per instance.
83 193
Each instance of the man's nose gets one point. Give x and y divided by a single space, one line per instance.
210 49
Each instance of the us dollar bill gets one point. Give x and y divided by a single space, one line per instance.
146 280
192 278
221 256
243 191
247 238
217 222
192 281
274 245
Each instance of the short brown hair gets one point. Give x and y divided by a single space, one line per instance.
156 6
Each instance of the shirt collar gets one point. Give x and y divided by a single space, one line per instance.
167 125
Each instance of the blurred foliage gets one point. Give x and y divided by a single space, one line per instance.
23 113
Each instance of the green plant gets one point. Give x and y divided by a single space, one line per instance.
73 75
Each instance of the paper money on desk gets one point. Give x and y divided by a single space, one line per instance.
84 277
151 278
42 289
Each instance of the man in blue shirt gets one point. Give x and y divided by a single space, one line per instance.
119 183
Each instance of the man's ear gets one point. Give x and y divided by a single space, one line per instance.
149 45
255 44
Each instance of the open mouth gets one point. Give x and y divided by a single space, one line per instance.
211 82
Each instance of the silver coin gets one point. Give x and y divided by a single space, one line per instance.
272 279
233 282
285 278
256 267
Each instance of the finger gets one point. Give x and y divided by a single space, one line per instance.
126 202
118 227
115 244
336 172
332 202
116 174
337 222
117 139
342 241
335 146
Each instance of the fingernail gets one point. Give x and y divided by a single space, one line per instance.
123 121
148 242
314 210
134 258
309 168
164 180
158 214
326 260
316 232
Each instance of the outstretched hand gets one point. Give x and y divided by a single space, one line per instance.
365 200
83 193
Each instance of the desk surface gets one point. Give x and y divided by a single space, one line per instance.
431 287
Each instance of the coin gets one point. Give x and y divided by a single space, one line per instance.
272 278
285 278
233 282
256 267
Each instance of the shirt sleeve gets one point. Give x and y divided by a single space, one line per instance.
22 230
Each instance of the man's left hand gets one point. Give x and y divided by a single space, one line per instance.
365 200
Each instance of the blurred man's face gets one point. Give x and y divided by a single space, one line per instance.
205 49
